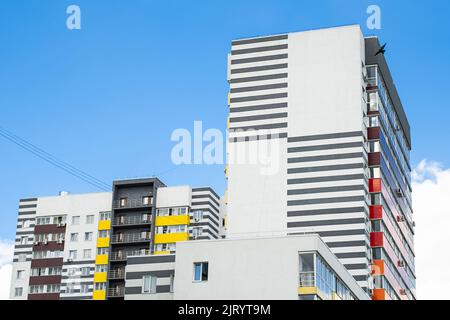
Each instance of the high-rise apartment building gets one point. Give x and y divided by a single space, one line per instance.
326 106
55 246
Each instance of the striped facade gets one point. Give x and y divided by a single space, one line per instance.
311 89
210 224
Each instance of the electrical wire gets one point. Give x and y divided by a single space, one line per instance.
42 154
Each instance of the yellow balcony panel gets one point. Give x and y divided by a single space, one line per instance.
104 225
100 277
171 237
161 252
335 296
172 220
101 259
102 242
99 295
307 290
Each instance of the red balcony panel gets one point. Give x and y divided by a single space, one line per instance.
51 245
374 159
43 296
376 239
49 228
375 185
376 212
373 133
45 280
49 262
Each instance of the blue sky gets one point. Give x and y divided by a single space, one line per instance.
106 98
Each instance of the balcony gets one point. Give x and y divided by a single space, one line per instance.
132 203
374 159
307 279
373 133
123 255
171 237
131 237
116 292
116 274
133 220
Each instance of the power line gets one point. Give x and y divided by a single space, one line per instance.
42 154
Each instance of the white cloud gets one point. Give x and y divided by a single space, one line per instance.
6 256
431 193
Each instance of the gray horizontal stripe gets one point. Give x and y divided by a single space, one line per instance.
360 278
194 190
260 97
327 157
77 297
326 179
23 252
326 136
259 39
138 290
17 260
261 137
346 244
206 196
210 212
260 127
203 203
90 268
325 200
74 263
259 59
23 246
259 88
204 224
326 189
26 206
151 259
260 68
28 200
259 117
338 233
213 221
356 266
259 49
24 213
260 78
90 276
326 147
22 233
327 168
348 255
155 273
303 213
299 224
260 107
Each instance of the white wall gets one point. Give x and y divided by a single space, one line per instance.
178 196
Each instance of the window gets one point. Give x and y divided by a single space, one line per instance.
70 288
88 236
198 215
149 284
18 292
26 224
123 202
53 288
23 240
53 271
172 278
197 232
73 254
76 220
105 215
103 234
100 286
22 257
74 237
85 271
87 253
90 219
200 271
84 288
146 200
101 251
20 274
306 268
101 268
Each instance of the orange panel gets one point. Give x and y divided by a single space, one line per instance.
378 268
376 212
379 294
375 185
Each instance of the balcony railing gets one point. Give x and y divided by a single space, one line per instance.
116 274
116 292
130 237
123 221
123 255
307 279
132 203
